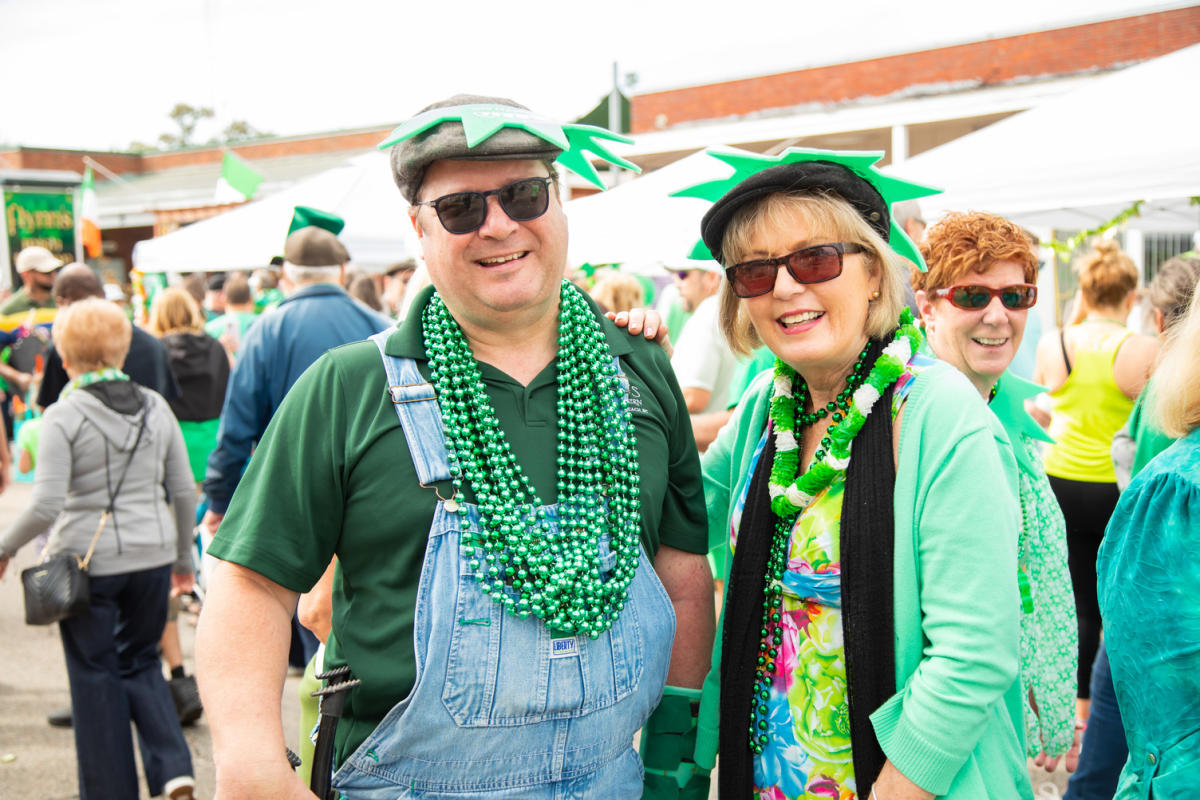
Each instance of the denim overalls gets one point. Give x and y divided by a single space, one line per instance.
502 707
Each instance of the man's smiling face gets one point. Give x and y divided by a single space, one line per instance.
505 267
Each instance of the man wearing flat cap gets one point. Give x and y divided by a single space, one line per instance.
277 348
511 489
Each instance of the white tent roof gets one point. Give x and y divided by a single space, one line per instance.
359 191
1082 158
638 223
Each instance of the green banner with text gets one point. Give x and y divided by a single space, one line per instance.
46 219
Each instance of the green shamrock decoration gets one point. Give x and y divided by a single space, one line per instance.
860 162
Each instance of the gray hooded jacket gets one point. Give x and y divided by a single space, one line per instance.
85 444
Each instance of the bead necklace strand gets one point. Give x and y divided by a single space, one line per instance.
524 562
837 406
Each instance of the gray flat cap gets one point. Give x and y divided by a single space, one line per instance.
411 157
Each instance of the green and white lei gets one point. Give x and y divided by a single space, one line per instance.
791 494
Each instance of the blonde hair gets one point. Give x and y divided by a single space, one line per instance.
92 334
175 311
1177 376
617 291
960 244
1173 286
824 215
1106 275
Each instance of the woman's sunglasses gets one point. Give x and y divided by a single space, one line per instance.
817 264
464 212
972 298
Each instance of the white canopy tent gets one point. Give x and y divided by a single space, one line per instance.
1084 157
359 191
638 224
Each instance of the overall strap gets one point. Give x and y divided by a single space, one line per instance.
416 406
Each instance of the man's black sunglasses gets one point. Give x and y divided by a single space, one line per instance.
816 264
464 212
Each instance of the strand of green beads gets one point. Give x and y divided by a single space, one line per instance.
771 633
842 401
523 561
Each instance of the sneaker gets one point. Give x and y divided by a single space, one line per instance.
60 717
181 788
187 699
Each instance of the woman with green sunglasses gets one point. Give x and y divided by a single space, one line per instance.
974 301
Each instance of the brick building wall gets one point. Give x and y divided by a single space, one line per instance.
274 148
49 158
153 161
1060 52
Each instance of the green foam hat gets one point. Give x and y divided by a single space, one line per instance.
850 174
304 216
471 127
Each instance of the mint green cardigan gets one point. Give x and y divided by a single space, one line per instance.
954 726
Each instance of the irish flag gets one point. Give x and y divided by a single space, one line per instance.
89 216
239 181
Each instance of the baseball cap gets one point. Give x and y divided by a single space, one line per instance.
38 258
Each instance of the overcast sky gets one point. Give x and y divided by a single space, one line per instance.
104 73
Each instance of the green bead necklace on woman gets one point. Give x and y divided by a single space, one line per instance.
522 560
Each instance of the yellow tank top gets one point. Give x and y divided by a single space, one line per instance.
1088 409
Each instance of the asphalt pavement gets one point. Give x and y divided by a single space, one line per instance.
37 762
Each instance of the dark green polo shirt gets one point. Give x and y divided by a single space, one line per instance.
333 476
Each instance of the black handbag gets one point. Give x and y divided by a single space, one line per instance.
58 588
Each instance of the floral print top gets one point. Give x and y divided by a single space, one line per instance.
809 752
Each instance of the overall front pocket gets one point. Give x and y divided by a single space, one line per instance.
503 670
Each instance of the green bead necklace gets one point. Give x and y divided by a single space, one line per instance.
837 406
522 561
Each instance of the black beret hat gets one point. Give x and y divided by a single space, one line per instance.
806 177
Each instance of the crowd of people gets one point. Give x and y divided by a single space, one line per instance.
808 523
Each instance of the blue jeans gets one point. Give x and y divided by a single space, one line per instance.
115 676
1104 747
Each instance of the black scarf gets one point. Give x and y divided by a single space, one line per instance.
867 531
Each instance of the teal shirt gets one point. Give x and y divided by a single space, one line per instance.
1148 585
954 726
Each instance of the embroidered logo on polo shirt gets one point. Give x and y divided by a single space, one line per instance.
635 400
564 648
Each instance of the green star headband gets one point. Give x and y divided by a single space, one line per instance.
480 121
859 162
